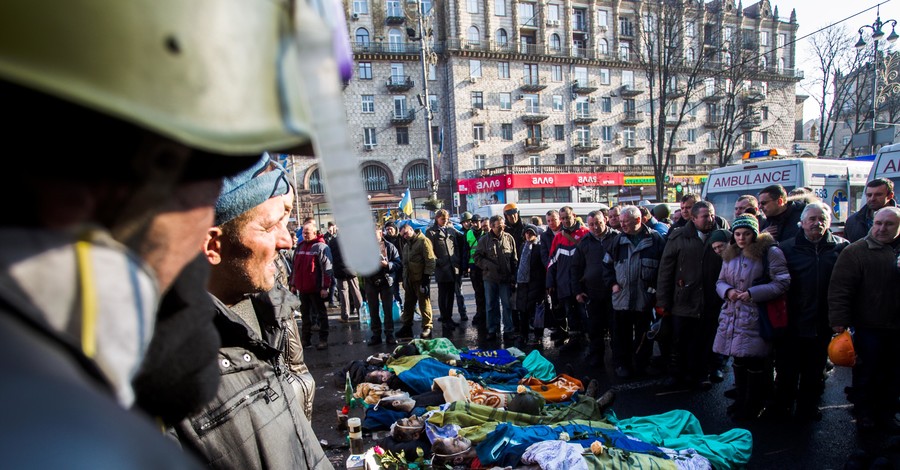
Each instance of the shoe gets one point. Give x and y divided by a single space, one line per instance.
490 337
509 337
606 400
463 317
426 333
375 341
322 345
622 372
331 305
390 340
717 376
344 320
405 333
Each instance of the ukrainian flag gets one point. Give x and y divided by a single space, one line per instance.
406 204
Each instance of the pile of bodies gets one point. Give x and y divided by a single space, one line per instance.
487 408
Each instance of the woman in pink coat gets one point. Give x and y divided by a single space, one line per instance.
738 332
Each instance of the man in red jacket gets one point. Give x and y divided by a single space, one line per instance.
311 281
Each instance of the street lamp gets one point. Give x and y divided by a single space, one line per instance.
877 35
424 55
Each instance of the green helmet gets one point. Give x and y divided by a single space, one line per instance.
222 76
466 216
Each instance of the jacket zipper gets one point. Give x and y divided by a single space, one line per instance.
221 417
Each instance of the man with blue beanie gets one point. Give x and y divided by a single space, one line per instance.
261 360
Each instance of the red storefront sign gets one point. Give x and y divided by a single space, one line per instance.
542 180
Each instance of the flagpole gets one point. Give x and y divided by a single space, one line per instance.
429 117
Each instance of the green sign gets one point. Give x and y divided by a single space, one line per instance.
639 180
678 187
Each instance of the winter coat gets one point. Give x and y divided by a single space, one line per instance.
339 267
546 242
533 291
688 272
810 266
255 421
660 227
472 237
385 275
787 222
860 222
588 270
418 259
562 252
447 252
634 269
517 230
312 266
865 286
738 332
497 257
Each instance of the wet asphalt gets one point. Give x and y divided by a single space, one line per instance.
825 444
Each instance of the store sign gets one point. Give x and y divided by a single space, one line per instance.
563 180
482 185
639 180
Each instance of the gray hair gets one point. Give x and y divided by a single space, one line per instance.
821 206
632 211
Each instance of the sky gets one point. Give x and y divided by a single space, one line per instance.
813 15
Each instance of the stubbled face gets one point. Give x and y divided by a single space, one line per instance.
497 227
251 258
877 197
597 224
686 206
407 232
743 237
512 218
771 207
485 225
391 231
614 221
886 227
741 207
815 223
553 221
705 220
567 218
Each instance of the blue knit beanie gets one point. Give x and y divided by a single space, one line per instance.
244 191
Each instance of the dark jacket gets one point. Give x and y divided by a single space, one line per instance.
385 275
786 221
448 252
562 252
688 272
533 291
497 257
810 266
418 260
588 270
312 266
546 242
860 222
517 230
255 421
634 269
339 267
865 286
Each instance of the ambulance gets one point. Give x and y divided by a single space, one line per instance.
887 165
838 183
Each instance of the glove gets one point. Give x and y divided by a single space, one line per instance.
661 312
425 287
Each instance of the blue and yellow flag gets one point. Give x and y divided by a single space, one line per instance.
406 204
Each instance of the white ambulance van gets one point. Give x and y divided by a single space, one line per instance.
887 165
838 183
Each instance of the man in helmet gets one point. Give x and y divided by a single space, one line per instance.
165 101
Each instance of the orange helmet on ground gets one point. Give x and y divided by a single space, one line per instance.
840 350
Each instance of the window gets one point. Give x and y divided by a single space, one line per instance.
626 28
763 38
500 7
315 183
393 8
582 160
530 72
628 79
532 105
555 43
781 64
603 47
692 159
435 135
629 160
368 103
559 132
557 102
689 55
478 132
480 162
629 135
606 104
765 112
556 73
579 21
690 29
433 102
534 131
395 41
506 101
582 107
417 176
400 106
509 159
692 135
726 57
729 32
553 12
475 68
582 135
607 133
506 131
474 36
844 141
503 70
625 51
362 37
602 18
560 159
534 160
426 6
478 100
502 38
580 74
526 14
782 40
765 137
361 7
604 76
402 136
432 72
370 138
397 75
365 71
606 159
472 6
629 104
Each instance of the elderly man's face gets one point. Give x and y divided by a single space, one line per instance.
497 226
630 225
814 224
705 220
309 232
741 207
877 197
251 254
886 227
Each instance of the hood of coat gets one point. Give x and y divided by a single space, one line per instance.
754 250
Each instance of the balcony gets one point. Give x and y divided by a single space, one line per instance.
536 144
403 117
751 121
583 87
630 91
586 145
678 146
752 95
712 98
533 114
711 149
712 122
584 117
673 120
749 146
631 118
395 17
673 93
633 146
533 84
400 83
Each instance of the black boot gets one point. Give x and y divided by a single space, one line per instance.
740 391
758 384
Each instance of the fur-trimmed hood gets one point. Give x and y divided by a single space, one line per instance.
753 251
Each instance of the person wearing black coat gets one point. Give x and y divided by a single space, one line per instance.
379 291
782 212
801 353
591 290
530 281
